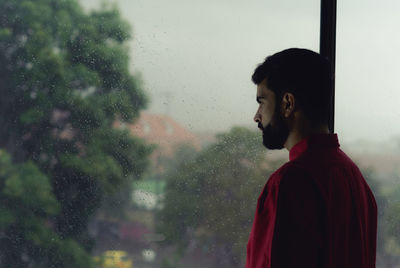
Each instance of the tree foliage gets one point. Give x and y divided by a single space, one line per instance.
26 203
388 203
64 80
388 247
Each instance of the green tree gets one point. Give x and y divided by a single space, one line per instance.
64 81
383 237
388 229
210 200
26 202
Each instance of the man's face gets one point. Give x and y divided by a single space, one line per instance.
270 119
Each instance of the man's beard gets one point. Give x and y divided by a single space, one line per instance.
275 133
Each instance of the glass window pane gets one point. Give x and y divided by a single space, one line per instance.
127 133
366 107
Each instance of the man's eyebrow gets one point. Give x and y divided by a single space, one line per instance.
259 98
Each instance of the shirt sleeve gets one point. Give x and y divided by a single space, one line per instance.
298 231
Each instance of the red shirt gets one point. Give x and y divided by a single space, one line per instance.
315 211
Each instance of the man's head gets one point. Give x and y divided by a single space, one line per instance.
294 87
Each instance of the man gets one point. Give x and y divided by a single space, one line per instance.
316 210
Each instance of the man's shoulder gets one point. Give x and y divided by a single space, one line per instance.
316 170
320 159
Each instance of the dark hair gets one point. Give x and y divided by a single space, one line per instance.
305 74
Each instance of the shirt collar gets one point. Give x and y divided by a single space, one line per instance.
314 141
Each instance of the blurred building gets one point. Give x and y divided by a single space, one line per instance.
164 132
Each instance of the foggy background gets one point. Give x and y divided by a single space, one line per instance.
196 59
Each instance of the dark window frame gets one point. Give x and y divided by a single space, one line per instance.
327 46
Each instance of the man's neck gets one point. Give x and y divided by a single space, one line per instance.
297 135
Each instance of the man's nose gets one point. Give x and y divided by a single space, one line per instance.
257 118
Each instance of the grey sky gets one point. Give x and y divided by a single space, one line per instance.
203 53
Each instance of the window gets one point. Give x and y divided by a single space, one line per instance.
366 114
180 190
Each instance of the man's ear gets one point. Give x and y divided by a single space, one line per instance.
288 104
